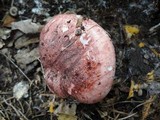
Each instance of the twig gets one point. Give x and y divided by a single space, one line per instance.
48 95
116 117
29 109
140 105
23 115
12 107
41 66
18 112
12 2
4 112
124 118
6 93
10 60
108 105
152 29
6 100
120 112
39 115
21 106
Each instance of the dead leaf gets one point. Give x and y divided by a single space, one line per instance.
131 30
66 109
131 91
26 26
7 20
26 56
141 44
25 41
4 33
51 107
150 76
134 87
66 117
155 52
1 43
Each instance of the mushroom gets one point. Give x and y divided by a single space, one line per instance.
78 58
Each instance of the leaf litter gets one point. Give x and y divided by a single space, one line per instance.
135 30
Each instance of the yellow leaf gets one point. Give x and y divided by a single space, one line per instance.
131 30
155 52
51 107
141 44
131 91
133 87
150 75
66 117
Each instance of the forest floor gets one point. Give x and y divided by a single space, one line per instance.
134 26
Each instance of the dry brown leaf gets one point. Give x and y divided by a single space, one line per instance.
7 20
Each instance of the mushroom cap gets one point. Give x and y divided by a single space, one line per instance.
78 58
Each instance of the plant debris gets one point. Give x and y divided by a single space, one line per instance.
134 27
26 26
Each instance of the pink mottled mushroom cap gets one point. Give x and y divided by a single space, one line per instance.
78 58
